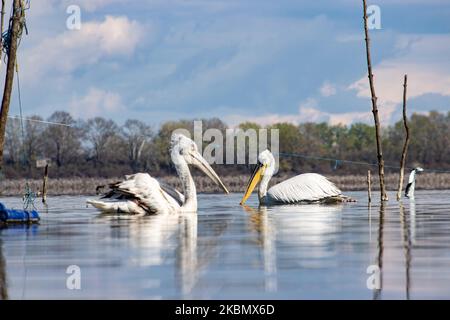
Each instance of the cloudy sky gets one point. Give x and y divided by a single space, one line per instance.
256 60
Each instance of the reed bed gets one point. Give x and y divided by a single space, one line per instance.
87 186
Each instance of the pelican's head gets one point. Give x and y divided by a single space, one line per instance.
418 170
183 148
264 168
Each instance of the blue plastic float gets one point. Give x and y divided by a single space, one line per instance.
18 216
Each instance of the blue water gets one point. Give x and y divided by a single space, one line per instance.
230 252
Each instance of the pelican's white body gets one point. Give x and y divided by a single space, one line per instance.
307 187
150 197
411 186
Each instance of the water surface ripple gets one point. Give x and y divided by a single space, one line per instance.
233 252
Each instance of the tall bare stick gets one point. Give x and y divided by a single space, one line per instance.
16 30
384 196
406 143
369 187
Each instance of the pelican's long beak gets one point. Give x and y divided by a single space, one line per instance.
254 179
203 165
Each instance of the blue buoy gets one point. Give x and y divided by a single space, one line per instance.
17 216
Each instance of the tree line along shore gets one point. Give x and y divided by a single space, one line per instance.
101 149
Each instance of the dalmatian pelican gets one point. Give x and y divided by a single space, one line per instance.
304 188
142 194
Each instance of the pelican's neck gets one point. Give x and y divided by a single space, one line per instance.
190 193
263 186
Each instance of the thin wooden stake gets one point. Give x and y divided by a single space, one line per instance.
44 185
369 186
384 196
406 143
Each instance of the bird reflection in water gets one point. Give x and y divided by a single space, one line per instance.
157 237
312 226
186 253
263 225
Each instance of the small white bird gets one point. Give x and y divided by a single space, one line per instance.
410 187
142 194
304 188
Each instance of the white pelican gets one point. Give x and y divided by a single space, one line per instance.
409 191
141 194
304 188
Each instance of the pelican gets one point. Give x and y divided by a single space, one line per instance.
304 188
409 191
142 194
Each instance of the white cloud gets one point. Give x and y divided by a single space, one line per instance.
327 89
424 58
96 103
308 111
65 53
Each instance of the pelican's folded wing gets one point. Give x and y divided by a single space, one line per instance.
304 187
174 193
147 192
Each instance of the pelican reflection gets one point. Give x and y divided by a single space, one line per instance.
157 240
263 225
313 226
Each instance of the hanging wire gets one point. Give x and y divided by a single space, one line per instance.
339 161
20 100
41 121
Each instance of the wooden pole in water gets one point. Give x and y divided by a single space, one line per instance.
16 29
406 143
2 22
369 186
44 185
376 117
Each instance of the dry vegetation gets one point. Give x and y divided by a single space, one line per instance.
87 186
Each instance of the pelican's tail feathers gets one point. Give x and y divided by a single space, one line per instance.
125 207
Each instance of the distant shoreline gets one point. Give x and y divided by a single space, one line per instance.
87 186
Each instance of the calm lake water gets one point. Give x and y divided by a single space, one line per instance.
230 252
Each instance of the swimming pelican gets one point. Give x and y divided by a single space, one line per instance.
409 191
142 194
304 188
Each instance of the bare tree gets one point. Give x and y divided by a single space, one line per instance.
384 196
136 134
13 141
33 139
62 143
102 135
